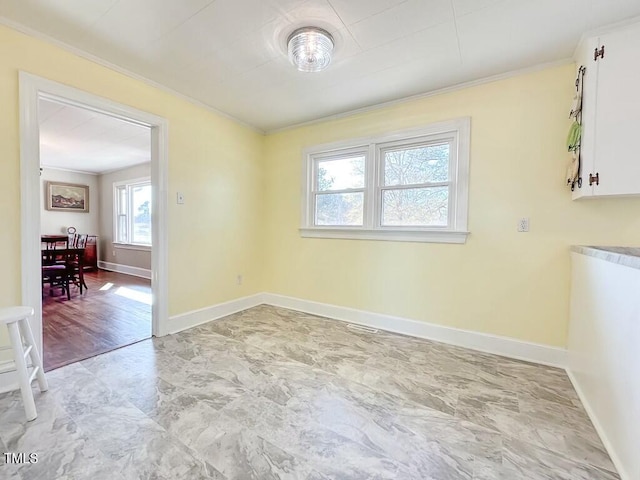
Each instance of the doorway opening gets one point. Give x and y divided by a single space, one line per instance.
95 231
94 183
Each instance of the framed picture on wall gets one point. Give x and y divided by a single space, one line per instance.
67 197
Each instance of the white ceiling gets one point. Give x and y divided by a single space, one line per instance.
74 138
231 55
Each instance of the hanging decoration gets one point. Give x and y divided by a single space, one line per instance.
575 134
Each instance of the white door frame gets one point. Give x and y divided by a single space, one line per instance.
32 88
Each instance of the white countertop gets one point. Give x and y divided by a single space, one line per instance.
627 256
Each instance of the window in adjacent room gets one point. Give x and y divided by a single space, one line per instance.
132 209
408 186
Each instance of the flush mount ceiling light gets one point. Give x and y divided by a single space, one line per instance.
310 49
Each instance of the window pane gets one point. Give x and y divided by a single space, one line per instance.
121 234
340 174
339 208
423 207
121 214
122 200
428 163
141 208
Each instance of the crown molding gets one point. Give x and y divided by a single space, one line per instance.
605 29
102 172
69 170
431 93
348 113
119 169
111 66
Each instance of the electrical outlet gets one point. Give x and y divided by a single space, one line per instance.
113 252
523 225
239 280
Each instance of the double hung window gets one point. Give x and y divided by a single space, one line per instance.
132 212
410 185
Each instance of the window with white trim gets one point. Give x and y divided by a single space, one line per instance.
406 186
132 212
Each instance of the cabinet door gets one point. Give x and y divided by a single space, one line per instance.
589 96
617 157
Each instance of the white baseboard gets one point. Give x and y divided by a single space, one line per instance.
508 347
624 475
177 323
126 269
183 321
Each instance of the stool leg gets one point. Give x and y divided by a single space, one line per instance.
23 373
36 360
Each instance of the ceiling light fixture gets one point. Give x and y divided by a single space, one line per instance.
310 49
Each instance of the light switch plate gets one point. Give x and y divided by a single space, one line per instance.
180 198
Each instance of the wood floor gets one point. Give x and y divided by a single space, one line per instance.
115 311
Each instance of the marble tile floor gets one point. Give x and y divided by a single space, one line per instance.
270 393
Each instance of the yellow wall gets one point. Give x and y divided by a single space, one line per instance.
501 282
242 208
216 162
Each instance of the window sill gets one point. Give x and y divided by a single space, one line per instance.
132 246
425 236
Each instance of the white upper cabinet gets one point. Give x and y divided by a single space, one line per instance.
610 154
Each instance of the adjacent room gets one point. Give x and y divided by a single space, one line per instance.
320 239
96 204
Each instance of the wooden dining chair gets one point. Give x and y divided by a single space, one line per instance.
53 242
55 270
78 240
75 266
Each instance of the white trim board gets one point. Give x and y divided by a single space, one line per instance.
455 132
483 342
31 89
18 27
443 236
431 93
59 169
125 269
177 323
183 321
348 113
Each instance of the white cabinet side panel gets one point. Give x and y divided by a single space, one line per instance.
604 359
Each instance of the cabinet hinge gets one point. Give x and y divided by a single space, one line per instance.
594 179
598 53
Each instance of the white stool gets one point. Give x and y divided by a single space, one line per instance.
17 321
